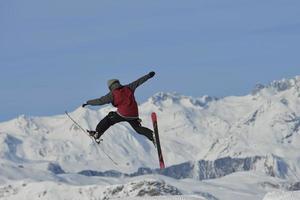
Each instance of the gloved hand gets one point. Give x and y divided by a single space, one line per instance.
151 74
84 105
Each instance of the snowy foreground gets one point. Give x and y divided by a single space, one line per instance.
71 186
283 196
215 149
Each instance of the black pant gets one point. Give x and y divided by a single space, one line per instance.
113 118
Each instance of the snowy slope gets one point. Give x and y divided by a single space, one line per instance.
246 186
258 132
282 196
243 185
52 190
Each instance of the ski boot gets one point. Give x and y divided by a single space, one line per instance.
95 135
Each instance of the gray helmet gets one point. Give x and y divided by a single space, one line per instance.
113 84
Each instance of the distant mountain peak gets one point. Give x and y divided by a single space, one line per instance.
285 84
279 85
176 98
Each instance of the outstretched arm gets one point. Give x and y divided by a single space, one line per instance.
140 81
100 101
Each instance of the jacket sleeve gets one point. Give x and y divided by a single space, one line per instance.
101 101
138 82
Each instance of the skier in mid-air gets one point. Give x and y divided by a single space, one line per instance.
122 97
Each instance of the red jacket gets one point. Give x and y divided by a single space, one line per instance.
124 100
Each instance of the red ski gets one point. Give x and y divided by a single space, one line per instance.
155 127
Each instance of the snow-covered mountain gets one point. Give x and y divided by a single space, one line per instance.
202 138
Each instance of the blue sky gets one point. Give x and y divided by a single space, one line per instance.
54 54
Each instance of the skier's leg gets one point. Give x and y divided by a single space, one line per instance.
111 119
136 125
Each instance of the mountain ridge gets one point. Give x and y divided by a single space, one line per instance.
192 129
